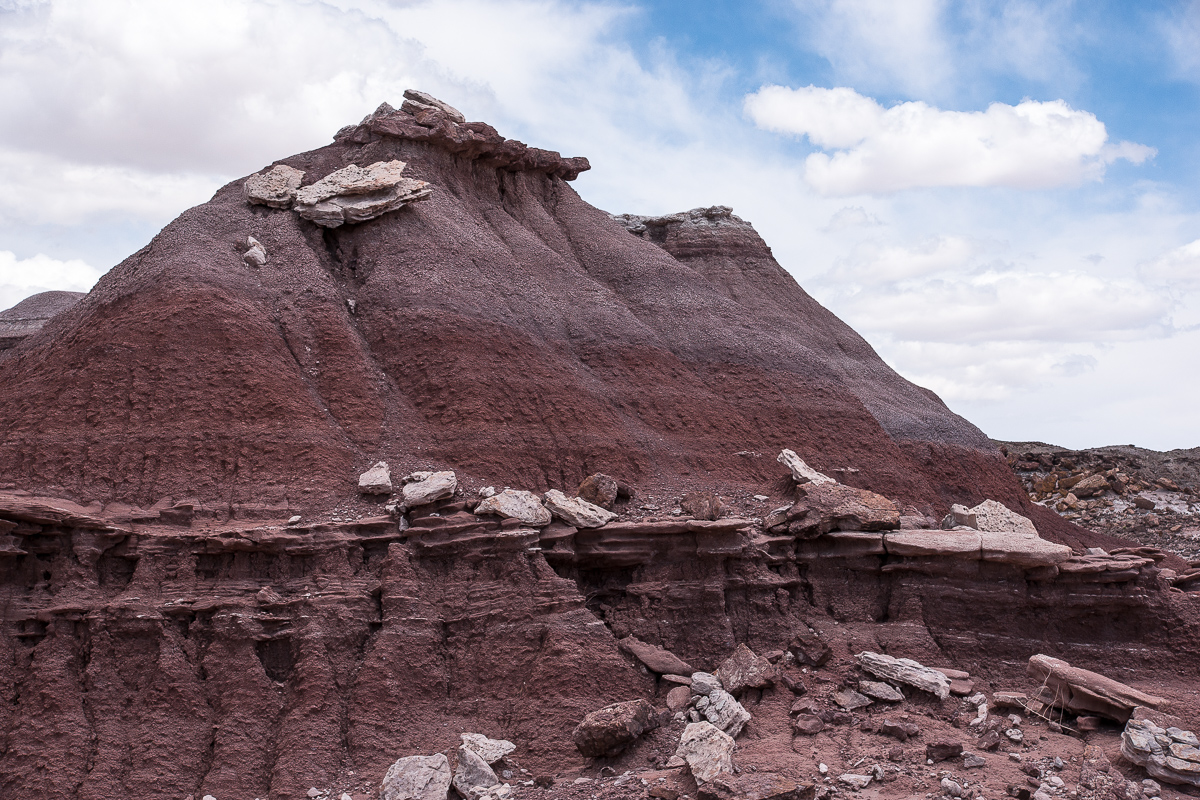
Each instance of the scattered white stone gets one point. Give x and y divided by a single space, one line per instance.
490 750
486 492
436 486
376 480
256 255
577 511
707 750
516 504
417 778
762 498
906 671
801 472
472 772
855 782
275 188
1015 735
823 769
705 682
952 788
314 792
294 520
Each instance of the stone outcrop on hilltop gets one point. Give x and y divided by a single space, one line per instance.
31 314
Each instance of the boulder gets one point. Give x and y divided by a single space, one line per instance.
906 671
275 188
833 506
1091 485
435 486
376 480
1167 752
960 517
472 773
516 504
880 691
704 683
599 489
490 750
1144 503
801 472
417 778
726 712
943 751
426 100
809 648
1081 691
745 670
993 517
355 194
577 511
707 751
655 658
756 786
256 255
605 733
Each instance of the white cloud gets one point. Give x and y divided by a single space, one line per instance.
20 278
1031 145
851 217
1178 269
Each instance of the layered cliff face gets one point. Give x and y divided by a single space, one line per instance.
501 327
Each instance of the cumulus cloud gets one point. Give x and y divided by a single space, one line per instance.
1031 145
20 278
1178 269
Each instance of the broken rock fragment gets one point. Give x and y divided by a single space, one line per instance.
256 255
707 750
516 504
1084 692
599 489
745 670
275 187
435 486
801 472
833 506
608 731
725 712
755 786
490 750
809 648
655 658
417 778
577 511
1165 750
376 480
356 194
423 100
906 671
473 773
880 691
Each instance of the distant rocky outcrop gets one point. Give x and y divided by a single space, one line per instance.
28 316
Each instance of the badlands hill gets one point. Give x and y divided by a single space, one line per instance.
196 600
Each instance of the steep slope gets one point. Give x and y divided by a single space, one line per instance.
503 327
28 316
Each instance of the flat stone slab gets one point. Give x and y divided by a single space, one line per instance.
951 544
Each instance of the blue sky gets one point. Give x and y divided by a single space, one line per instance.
1002 197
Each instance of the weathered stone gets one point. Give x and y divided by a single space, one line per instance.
1009 699
807 724
436 486
599 489
973 761
427 100
472 773
655 658
960 687
801 472
678 698
275 188
608 731
256 255
726 712
703 505
356 194
855 782
516 504
1088 723
899 730
905 671
1084 692
880 691
941 544
989 741
745 670
376 480
850 699
490 750
577 511
705 683
1090 485
1143 502
417 778
993 517
833 506
960 516
809 648
755 786
707 750
943 751
1165 750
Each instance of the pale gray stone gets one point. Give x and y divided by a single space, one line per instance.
993 517
275 188
490 750
256 255
906 671
438 486
577 511
376 480
424 99
356 194
417 778
855 782
1168 754
707 750
516 504
726 712
472 772
880 691
705 682
801 472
